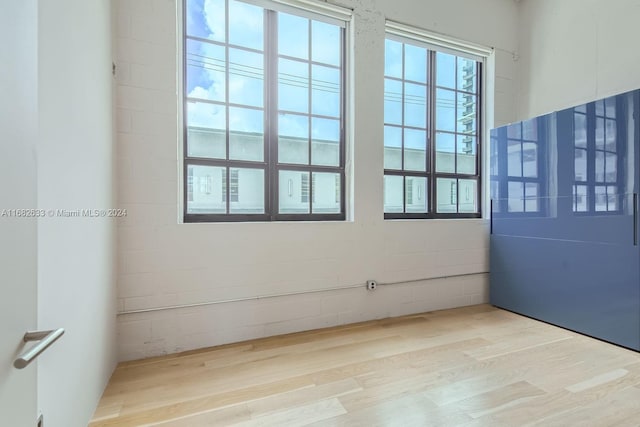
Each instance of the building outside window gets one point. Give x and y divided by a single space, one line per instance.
264 104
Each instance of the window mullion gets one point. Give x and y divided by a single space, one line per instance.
271 111
402 100
431 104
455 127
310 94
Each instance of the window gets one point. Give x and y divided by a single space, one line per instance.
597 179
517 182
263 111
431 131
523 175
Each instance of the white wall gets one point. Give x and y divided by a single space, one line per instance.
163 263
18 134
76 281
575 51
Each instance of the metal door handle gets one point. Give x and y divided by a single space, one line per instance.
46 338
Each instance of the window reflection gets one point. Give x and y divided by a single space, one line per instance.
596 171
575 162
522 180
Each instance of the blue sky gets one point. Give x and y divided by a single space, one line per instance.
206 69
206 76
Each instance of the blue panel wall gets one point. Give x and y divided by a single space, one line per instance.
564 225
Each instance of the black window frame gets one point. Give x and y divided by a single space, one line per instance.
430 174
270 164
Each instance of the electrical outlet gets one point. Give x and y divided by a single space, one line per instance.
372 285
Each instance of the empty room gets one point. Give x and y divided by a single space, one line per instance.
319 213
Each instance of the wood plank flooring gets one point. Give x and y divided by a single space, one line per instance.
472 366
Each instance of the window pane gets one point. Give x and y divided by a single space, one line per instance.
445 147
247 188
415 63
466 154
293 195
514 131
466 113
530 130
580 198
392 59
393 200
205 71
599 107
445 70
293 86
601 198
611 166
246 25
205 190
293 138
415 105
325 43
233 187
600 134
531 197
599 166
580 130
206 130
392 102
467 192
415 150
516 196
610 107
326 192
416 194
246 77
325 91
392 147
246 134
612 198
447 195
580 164
495 196
445 110
530 160
467 75
493 161
325 142
293 36
514 159
206 19
610 135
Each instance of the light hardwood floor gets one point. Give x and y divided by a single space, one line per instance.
473 366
